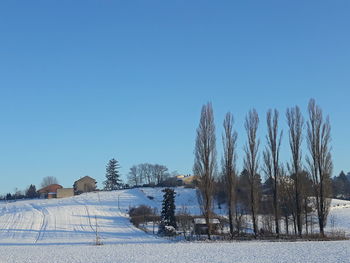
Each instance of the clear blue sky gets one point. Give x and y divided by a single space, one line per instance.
85 81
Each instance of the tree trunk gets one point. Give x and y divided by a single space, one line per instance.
253 213
276 210
230 219
306 215
298 215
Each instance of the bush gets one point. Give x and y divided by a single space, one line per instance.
141 214
169 231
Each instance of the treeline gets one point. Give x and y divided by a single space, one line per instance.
293 190
341 186
146 174
28 193
31 191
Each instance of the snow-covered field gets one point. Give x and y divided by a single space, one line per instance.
244 252
63 230
73 220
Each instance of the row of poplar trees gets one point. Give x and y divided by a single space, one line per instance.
318 162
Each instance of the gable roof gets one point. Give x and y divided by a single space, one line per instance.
52 188
84 178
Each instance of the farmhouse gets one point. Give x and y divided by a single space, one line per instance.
49 191
85 184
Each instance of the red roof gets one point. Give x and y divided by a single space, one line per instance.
52 188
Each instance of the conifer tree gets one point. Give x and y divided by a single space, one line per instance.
31 192
113 181
168 210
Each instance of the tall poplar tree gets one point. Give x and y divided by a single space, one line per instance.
205 162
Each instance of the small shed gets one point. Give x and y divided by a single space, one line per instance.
200 227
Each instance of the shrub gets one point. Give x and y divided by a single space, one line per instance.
141 214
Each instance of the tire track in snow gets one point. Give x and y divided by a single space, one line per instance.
44 222
9 216
87 213
127 222
16 222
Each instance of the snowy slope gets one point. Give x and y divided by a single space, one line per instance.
184 198
73 220
62 230
339 216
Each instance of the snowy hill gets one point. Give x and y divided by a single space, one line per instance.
339 216
73 220
62 230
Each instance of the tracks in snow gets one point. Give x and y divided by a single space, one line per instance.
87 213
44 222
71 220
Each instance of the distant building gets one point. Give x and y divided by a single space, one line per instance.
65 192
49 191
190 179
200 226
186 179
85 184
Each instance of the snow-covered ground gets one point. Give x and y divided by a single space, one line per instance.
73 220
339 216
237 252
63 230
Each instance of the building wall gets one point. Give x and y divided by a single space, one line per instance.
65 192
51 195
85 185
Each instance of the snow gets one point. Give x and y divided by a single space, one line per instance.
73 220
185 198
339 216
236 252
63 230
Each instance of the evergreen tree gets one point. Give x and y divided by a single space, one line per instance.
31 192
113 181
168 211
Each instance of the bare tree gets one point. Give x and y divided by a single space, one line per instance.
307 192
133 176
205 161
296 124
251 163
48 180
320 160
287 195
184 221
160 173
229 140
145 171
271 159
